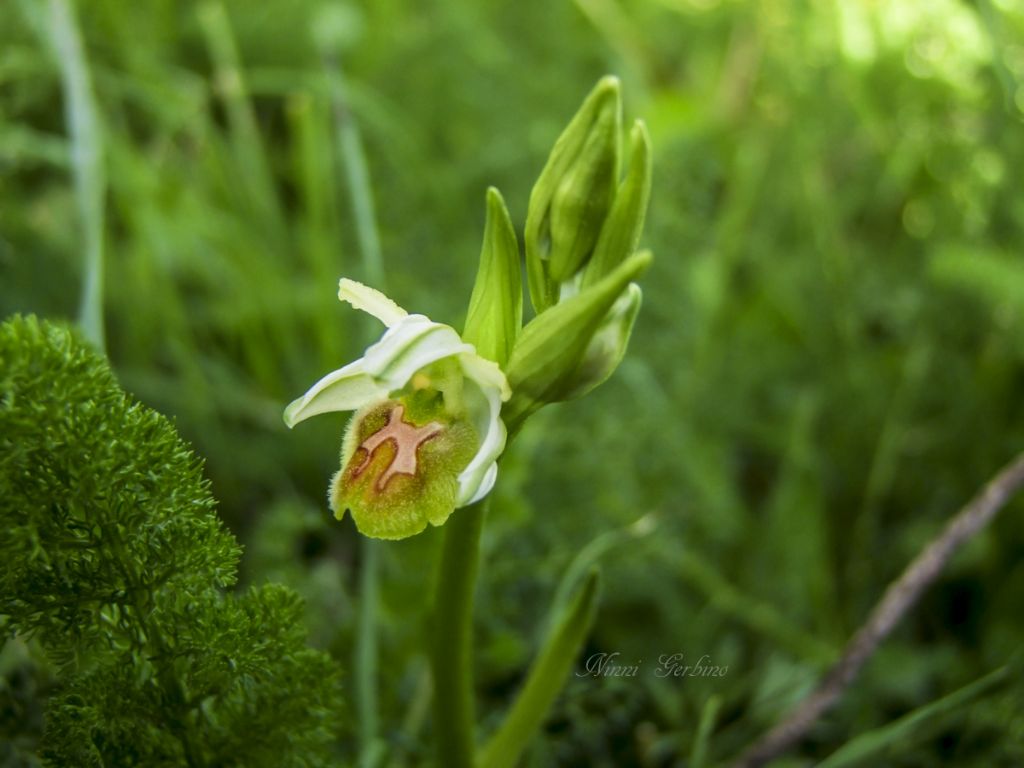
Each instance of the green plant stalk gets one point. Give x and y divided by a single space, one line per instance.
544 682
361 195
360 191
86 161
699 752
451 649
419 708
366 657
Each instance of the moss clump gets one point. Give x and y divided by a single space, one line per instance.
115 562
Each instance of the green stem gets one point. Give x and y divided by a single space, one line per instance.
452 638
366 658
371 749
699 752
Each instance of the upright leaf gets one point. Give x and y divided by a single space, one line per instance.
545 681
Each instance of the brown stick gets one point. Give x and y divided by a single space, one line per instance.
899 598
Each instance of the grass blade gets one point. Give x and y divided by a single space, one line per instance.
357 173
699 752
867 746
86 160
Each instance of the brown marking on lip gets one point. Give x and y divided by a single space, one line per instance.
406 439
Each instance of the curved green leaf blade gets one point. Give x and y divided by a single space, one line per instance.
545 681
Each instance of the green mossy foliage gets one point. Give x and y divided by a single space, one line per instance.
101 502
116 563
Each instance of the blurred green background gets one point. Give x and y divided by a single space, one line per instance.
829 362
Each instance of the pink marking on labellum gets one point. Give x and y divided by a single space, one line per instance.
407 439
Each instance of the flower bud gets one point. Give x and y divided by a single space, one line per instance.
573 194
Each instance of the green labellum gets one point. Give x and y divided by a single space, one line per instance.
400 465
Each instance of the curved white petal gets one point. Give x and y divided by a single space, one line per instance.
371 301
486 373
476 479
486 484
346 389
413 343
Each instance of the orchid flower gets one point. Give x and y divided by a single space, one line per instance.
433 408
427 430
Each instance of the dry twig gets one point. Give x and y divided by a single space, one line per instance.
899 598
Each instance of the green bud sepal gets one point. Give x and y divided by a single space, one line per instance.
620 233
607 346
557 357
495 313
